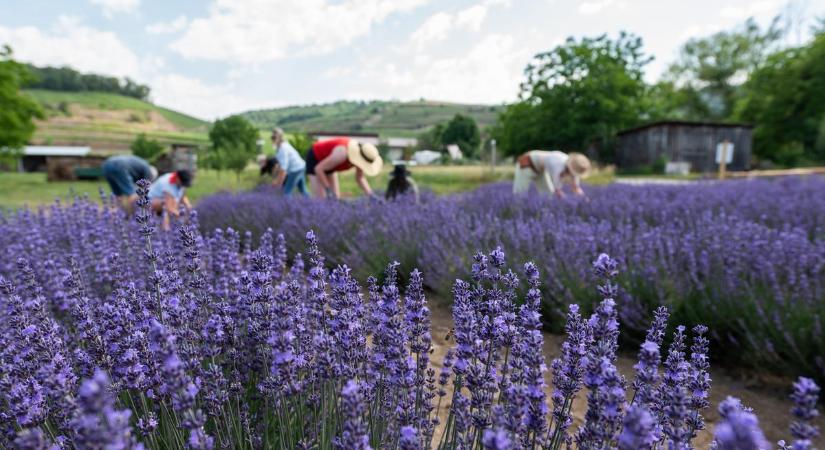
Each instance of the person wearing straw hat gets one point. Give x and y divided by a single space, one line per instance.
549 171
328 157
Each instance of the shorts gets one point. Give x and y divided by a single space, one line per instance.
118 178
311 162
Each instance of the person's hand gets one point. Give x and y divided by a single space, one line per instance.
375 198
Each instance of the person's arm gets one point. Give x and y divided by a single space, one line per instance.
186 202
577 188
338 156
278 181
362 181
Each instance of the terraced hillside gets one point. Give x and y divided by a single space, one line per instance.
110 122
384 117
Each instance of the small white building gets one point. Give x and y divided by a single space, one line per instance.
35 157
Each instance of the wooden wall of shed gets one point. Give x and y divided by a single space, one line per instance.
678 142
61 168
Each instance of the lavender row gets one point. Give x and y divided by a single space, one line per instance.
115 336
745 258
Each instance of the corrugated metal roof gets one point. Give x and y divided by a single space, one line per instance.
688 123
47 150
402 142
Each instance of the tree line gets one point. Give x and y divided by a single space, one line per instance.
578 95
68 79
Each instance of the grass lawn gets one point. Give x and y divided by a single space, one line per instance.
32 189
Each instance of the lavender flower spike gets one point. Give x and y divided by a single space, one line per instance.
639 431
805 396
739 430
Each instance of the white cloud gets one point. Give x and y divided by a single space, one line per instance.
112 7
594 7
434 29
750 9
472 17
488 73
254 31
200 99
438 26
72 43
168 27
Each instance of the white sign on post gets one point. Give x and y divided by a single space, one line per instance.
725 147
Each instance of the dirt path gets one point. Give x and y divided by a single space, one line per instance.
771 403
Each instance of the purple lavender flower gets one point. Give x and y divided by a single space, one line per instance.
98 424
496 440
639 432
354 433
805 397
739 430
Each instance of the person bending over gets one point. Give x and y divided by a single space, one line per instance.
550 171
328 157
122 172
286 167
168 192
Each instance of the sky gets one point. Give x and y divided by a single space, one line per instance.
214 58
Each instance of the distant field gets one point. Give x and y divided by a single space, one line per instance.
32 189
402 119
107 121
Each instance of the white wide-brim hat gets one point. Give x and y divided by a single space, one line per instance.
578 165
365 157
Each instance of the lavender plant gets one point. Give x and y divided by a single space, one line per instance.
128 337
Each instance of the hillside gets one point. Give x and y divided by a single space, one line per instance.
384 117
109 122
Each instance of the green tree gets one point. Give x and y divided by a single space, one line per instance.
710 70
785 99
234 143
462 131
431 139
301 141
577 96
18 110
148 149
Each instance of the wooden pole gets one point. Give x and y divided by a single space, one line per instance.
724 160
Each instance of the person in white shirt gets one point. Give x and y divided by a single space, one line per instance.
168 192
286 165
549 171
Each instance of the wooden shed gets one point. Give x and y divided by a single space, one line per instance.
684 141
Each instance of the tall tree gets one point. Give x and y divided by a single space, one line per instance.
577 96
462 131
17 110
786 100
710 70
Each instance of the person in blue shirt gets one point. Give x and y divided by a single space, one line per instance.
168 192
122 172
287 167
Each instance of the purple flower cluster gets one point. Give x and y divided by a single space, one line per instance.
114 335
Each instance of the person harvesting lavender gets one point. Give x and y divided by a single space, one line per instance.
328 157
168 192
549 171
122 172
287 167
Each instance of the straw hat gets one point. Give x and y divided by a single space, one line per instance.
578 165
365 157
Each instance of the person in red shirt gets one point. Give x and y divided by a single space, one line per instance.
328 157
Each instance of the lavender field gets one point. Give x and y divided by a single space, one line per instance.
116 335
747 258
